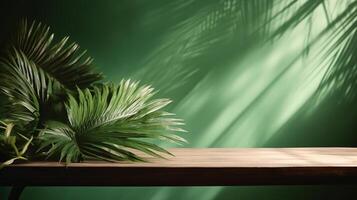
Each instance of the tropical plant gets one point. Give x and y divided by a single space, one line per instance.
56 108
8 144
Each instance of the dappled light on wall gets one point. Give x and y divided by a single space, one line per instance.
241 73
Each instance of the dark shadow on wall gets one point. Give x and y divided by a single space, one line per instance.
327 119
334 118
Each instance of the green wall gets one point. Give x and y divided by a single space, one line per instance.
241 73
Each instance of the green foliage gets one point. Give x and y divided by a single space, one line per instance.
54 108
61 61
8 145
106 121
26 86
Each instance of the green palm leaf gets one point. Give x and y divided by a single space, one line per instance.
61 61
108 122
26 87
37 74
104 122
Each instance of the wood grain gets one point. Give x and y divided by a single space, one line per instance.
199 167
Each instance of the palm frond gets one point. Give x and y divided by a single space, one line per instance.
37 74
109 121
63 61
25 87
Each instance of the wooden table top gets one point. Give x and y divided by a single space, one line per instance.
199 167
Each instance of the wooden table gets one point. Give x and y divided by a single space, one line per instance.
196 167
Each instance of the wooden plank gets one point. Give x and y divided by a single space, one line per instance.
199 167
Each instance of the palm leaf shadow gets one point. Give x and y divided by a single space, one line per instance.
267 27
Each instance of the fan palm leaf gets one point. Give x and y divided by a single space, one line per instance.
108 122
37 74
26 87
62 61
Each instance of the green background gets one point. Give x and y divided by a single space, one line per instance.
253 73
